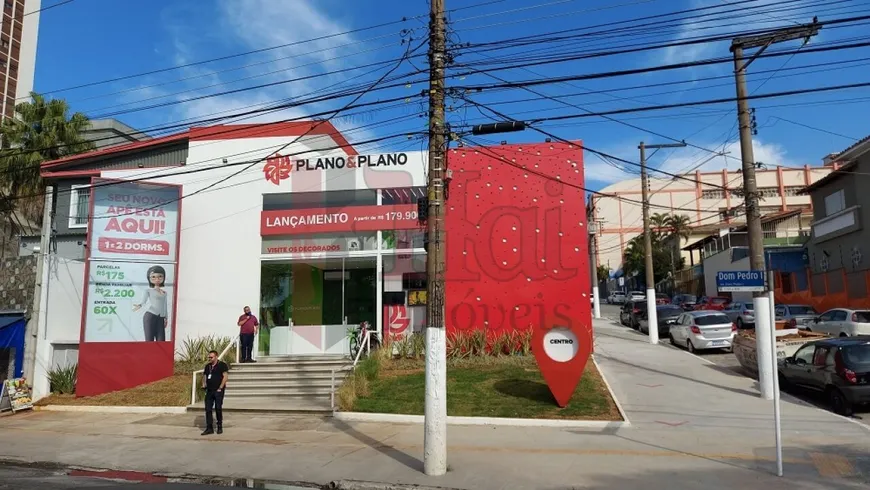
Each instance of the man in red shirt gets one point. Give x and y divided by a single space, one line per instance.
248 329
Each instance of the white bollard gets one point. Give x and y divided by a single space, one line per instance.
652 316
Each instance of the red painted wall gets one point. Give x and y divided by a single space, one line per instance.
517 242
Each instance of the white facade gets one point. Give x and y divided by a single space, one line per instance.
621 219
27 55
221 250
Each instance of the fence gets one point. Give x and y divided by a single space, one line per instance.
825 290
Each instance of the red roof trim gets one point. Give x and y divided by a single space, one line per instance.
117 149
223 132
271 130
70 173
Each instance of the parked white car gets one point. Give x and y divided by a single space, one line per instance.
842 322
616 298
703 329
636 296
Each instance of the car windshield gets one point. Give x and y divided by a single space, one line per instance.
749 306
718 301
857 355
862 316
689 298
706 320
669 311
801 310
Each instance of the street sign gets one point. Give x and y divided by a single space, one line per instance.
739 281
562 353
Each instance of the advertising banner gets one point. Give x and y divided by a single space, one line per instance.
16 395
129 302
317 245
336 220
134 221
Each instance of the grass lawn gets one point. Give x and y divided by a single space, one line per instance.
487 387
173 391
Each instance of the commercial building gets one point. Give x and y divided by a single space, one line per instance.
837 273
18 38
716 205
165 240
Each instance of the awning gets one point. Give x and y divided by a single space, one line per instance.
12 326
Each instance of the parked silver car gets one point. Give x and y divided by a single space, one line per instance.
703 329
842 322
741 313
797 316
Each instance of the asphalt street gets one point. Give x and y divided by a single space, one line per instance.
723 360
40 477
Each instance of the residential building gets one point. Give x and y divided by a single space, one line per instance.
18 39
839 248
705 205
314 238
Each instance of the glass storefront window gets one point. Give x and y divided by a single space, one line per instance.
328 199
317 295
404 294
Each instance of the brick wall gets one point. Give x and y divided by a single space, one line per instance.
17 279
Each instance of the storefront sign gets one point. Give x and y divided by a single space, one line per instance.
16 395
279 167
561 355
396 321
129 302
318 245
134 221
337 220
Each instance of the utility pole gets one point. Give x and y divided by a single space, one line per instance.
764 346
37 316
593 266
435 410
651 314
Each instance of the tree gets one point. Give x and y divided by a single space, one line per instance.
679 226
658 223
41 130
603 272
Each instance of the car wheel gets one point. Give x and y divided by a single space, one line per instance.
839 404
690 346
843 334
739 324
671 338
808 329
784 384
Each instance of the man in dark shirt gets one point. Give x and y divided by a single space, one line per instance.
247 330
214 381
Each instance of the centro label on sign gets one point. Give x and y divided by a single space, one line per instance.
561 344
740 281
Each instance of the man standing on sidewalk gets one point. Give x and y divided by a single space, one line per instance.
214 381
248 329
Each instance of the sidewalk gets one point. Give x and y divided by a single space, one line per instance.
693 427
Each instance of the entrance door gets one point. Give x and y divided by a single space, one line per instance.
323 299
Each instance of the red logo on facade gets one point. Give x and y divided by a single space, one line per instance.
278 168
396 319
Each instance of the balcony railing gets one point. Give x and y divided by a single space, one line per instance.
830 226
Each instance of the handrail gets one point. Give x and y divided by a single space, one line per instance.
196 373
366 338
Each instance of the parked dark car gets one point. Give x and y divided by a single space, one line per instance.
836 367
712 303
685 301
666 315
629 315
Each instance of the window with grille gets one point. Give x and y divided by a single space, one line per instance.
712 194
79 206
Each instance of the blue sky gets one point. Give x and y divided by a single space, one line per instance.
89 41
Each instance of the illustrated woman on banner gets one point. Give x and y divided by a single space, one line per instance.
154 296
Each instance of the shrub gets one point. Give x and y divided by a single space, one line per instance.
62 380
358 382
418 345
194 351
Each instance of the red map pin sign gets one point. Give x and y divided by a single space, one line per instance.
561 354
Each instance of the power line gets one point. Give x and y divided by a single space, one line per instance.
43 9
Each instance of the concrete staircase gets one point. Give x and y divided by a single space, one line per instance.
283 385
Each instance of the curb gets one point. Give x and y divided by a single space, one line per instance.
98 409
493 421
366 485
612 394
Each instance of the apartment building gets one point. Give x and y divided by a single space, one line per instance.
708 199
18 37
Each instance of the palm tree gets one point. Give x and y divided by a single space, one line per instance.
633 257
658 224
679 226
41 130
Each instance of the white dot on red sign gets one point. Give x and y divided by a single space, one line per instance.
561 344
